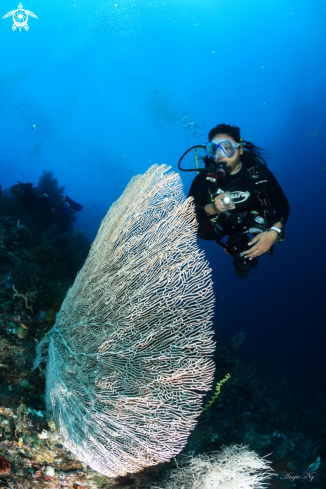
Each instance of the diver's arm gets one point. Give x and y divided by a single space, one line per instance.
210 209
278 200
199 192
278 224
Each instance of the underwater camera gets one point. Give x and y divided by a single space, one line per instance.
236 245
254 224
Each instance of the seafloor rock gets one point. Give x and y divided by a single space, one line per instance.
28 448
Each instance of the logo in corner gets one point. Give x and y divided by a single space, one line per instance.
20 18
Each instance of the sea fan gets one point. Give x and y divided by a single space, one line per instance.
129 357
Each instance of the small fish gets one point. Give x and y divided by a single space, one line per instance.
23 325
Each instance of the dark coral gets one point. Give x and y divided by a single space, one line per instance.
5 466
49 185
36 270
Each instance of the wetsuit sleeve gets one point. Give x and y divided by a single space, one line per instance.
199 192
278 199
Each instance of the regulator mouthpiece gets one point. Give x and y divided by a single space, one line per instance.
222 170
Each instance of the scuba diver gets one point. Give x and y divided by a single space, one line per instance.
238 201
33 200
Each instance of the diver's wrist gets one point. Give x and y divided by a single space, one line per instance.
211 209
276 230
278 233
273 233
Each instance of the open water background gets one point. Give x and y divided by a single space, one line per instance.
112 86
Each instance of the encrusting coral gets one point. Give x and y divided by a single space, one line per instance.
129 357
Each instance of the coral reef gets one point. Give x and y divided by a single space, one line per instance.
264 412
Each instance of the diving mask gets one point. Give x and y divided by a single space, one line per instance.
221 148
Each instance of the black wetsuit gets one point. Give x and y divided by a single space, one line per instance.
244 193
250 189
34 200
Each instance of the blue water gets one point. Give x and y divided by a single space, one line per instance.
110 86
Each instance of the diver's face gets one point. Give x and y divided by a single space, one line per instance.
233 162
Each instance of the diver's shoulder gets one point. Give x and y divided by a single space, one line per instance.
200 177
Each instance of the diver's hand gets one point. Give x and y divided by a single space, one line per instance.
262 243
219 204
